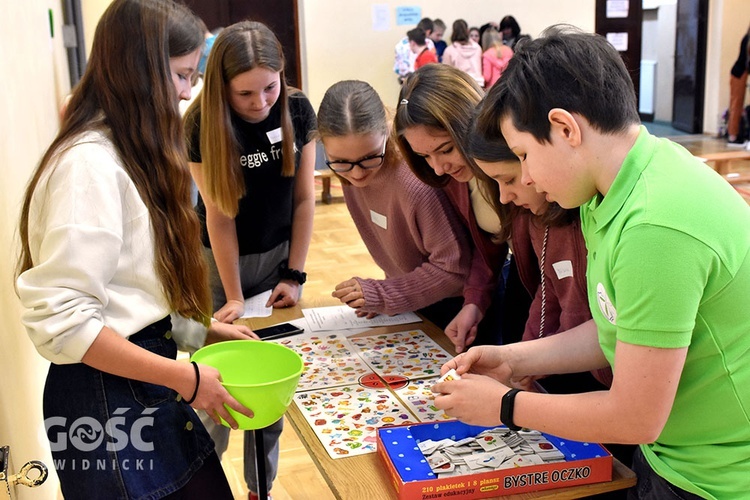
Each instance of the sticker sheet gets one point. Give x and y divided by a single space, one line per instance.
419 398
346 419
409 354
329 361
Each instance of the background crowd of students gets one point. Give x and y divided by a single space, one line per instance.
482 52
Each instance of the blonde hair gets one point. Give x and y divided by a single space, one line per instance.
491 38
238 48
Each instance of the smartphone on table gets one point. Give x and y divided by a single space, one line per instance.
278 331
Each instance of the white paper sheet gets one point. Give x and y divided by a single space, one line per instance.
344 317
255 306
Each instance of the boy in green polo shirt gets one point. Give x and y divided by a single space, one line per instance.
668 280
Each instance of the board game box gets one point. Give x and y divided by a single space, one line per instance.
455 460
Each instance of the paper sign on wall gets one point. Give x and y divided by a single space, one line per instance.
619 41
617 8
381 20
408 15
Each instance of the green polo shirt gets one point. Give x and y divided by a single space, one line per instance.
669 267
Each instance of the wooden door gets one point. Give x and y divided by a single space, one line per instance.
690 65
279 15
621 20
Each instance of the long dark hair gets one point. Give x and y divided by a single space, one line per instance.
127 93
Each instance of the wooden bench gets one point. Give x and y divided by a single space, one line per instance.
325 176
721 159
735 178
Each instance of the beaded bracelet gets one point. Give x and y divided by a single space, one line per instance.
197 382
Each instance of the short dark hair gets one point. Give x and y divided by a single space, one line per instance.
426 24
487 145
510 22
564 68
417 35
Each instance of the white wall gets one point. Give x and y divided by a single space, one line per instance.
658 43
727 23
36 80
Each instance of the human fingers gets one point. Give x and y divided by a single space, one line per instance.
230 311
450 364
226 316
371 315
464 361
472 335
276 294
247 332
350 283
356 304
230 402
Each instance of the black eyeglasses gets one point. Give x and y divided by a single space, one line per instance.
365 163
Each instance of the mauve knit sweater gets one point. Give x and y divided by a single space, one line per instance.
424 249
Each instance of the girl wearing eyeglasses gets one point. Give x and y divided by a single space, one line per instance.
253 162
409 228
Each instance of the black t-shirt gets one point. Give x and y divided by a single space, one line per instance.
264 219
741 64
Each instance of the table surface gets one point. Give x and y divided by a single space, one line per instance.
364 476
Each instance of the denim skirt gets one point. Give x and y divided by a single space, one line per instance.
116 438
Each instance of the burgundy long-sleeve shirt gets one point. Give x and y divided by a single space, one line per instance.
414 235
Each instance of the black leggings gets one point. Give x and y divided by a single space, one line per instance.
208 482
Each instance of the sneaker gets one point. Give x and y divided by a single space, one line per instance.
737 143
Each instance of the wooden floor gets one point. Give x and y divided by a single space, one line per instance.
337 254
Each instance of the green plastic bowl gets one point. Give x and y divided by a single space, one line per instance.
262 376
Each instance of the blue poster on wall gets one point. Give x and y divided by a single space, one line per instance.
408 15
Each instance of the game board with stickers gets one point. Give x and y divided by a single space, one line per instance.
328 359
350 387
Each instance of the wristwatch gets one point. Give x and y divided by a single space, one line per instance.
506 409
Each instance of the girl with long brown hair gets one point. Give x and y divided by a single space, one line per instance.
432 121
253 160
109 249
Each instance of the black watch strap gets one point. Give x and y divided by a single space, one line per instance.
506 409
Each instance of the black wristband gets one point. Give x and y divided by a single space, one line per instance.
292 274
506 409
197 382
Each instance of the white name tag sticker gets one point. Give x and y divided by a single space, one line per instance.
379 219
274 136
564 269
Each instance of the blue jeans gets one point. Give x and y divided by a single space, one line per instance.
651 486
114 438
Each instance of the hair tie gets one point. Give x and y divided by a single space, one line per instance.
404 101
